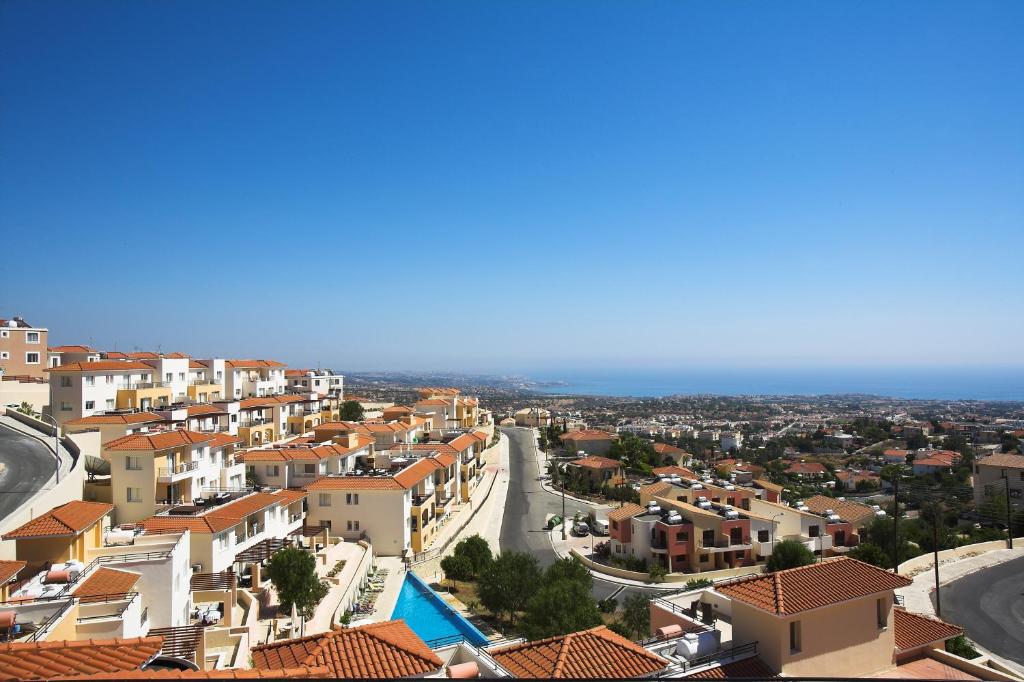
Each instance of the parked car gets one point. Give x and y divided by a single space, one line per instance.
581 529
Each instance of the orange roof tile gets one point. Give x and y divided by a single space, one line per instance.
302 672
101 366
463 442
355 483
768 485
161 440
46 660
9 569
128 418
665 448
588 434
1003 460
848 510
219 440
748 668
594 462
67 520
223 517
379 650
106 582
416 472
809 587
253 364
913 630
70 349
626 511
670 470
202 410
594 653
806 468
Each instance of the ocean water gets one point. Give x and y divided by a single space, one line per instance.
922 383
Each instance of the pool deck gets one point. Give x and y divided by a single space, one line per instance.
392 587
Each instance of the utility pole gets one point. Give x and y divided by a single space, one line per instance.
1009 512
935 559
896 520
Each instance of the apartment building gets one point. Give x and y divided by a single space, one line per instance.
226 526
151 469
205 380
533 417
407 429
22 349
114 425
59 355
294 466
82 389
589 441
860 516
68 532
322 381
996 474
397 505
450 410
252 378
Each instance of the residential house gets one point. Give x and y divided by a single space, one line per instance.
599 471
82 389
320 381
533 417
252 378
997 474
22 349
670 453
114 425
934 461
58 355
65 533
294 466
589 441
859 515
807 469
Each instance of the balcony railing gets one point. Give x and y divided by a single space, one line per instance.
420 500
204 382
138 385
164 472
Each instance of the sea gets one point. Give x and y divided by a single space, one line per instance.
944 383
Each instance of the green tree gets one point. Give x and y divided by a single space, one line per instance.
560 607
870 553
508 582
457 567
880 533
657 572
636 616
351 411
476 551
789 554
571 569
293 574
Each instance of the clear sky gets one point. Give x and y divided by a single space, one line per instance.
508 186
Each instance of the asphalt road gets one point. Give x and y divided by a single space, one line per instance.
527 507
25 467
989 606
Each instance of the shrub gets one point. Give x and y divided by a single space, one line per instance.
961 646
789 554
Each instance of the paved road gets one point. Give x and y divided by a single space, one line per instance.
25 467
989 605
527 507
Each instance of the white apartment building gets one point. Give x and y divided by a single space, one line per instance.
252 378
82 389
322 381
294 466
731 440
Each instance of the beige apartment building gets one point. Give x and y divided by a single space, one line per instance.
996 474
22 349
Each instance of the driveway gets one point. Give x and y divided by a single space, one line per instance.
989 606
25 467
527 507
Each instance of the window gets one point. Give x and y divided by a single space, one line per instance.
326 522
352 525
351 498
135 494
110 403
181 376
273 470
762 536
4 334
4 355
882 613
65 381
31 337
309 468
65 406
133 463
90 381
90 404
31 358
169 376
110 379
325 499
682 536
813 531
794 636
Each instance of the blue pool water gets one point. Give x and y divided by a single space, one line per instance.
430 617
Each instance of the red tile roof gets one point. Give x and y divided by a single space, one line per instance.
594 653
104 583
380 650
302 672
1005 461
463 442
848 510
46 660
203 410
809 587
913 630
593 462
587 434
128 418
748 668
101 366
70 349
67 520
160 440
678 471
219 440
9 569
666 449
354 483
416 472
626 511
223 517
253 364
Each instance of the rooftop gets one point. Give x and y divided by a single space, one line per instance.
67 520
45 660
158 440
914 630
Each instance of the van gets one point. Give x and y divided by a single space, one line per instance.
600 527
581 529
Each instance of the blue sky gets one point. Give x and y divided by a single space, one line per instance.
509 186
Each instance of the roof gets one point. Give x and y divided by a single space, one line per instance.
854 512
67 520
46 660
626 511
9 569
101 366
225 516
202 410
913 630
105 582
810 587
355 483
221 439
670 470
750 668
665 448
594 653
463 442
160 440
302 672
19 322
252 364
587 434
76 348
593 462
1005 461
127 418
768 485
379 650
416 472
310 452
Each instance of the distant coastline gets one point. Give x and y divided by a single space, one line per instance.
918 383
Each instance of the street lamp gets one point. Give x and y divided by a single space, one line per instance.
773 529
56 442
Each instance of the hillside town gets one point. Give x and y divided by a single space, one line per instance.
167 515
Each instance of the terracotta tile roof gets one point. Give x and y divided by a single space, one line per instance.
67 520
626 511
678 471
416 472
593 462
895 453
587 434
397 449
253 364
463 442
104 582
854 512
129 418
313 452
748 668
913 630
46 660
656 489
202 410
594 653
9 569
303 672
70 349
433 401
1004 461
768 485
195 364
161 440
480 435
223 517
809 587
666 449
219 440
380 650
101 366
354 483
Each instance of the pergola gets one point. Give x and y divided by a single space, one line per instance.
225 580
181 641
261 551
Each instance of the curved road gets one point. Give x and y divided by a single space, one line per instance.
528 504
25 467
989 605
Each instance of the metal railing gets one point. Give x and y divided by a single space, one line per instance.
45 626
138 385
731 653
179 469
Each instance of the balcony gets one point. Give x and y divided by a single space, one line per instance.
725 545
142 385
204 382
420 500
167 474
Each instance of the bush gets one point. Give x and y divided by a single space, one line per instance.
457 567
476 552
789 554
630 563
698 583
608 605
657 573
962 647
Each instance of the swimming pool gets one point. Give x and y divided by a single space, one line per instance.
430 617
